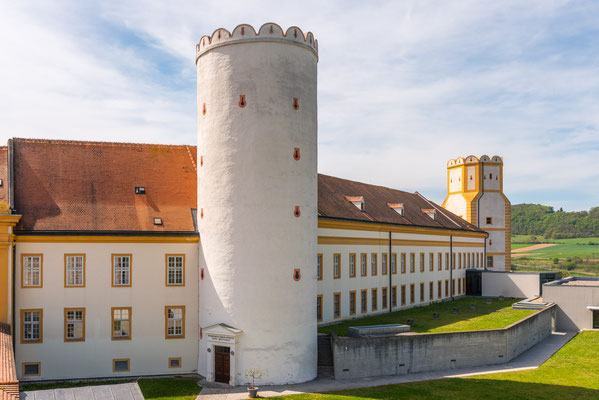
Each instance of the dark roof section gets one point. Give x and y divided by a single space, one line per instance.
4 173
332 203
90 186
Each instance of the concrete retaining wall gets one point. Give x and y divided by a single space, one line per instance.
510 284
413 352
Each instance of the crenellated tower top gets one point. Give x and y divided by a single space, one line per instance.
269 32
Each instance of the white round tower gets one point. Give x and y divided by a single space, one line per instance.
257 203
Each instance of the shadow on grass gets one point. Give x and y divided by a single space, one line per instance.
459 389
423 316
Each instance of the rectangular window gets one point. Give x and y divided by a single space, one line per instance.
489 220
32 369
31 270
453 266
120 365
121 323
403 295
319 267
412 262
431 290
363 264
74 270
459 286
352 302
446 261
174 362
74 324
32 326
121 270
374 299
175 270
431 261
595 319
477 260
394 296
439 290
384 263
468 261
412 293
174 322
394 263
446 287
319 308
490 261
352 265
421 262
336 305
384 295
453 287
459 260
363 301
421 292
440 262
373 264
403 263
336 266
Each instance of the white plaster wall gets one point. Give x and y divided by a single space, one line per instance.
510 284
148 349
249 186
572 302
328 285
471 177
457 205
455 179
492 204
492 183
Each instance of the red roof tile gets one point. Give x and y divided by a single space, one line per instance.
378 203
9 385
90 186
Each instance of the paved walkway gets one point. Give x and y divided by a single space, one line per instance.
530 359
121 391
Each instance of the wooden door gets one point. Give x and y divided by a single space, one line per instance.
222 364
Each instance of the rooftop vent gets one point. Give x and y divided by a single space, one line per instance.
357 201
397 207
140 190
157 221
431 212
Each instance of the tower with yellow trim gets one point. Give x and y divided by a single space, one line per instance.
475 193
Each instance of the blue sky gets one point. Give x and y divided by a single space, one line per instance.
403 85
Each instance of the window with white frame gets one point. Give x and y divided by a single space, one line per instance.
32 270
373 262
394 263
352 265
75 324
121 323
175 322
31 325
440 261
121 270
175 270
337 266
75 264
384 263
319 267
363 269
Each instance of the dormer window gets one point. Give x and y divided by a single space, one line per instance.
397 207
140 190
431 212
157 221
357 201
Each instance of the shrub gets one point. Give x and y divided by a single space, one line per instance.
556 261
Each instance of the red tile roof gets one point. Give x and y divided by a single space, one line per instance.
378 203
4 173
9 385
90 186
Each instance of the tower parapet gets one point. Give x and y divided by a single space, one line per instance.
269 32
475 193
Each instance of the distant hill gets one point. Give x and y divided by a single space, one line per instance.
536 219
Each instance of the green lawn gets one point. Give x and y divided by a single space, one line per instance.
152 389
572 373
169 388
498 314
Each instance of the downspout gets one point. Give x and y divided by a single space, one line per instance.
451 266
11 202
390 274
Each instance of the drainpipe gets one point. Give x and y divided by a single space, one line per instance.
390 274
451 266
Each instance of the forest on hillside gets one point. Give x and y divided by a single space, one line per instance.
536 219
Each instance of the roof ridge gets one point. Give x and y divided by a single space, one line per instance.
97 143
365 183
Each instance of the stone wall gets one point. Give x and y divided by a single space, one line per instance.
414 352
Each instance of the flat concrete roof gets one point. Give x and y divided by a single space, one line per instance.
581 283
576 281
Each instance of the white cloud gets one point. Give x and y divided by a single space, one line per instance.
403 86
